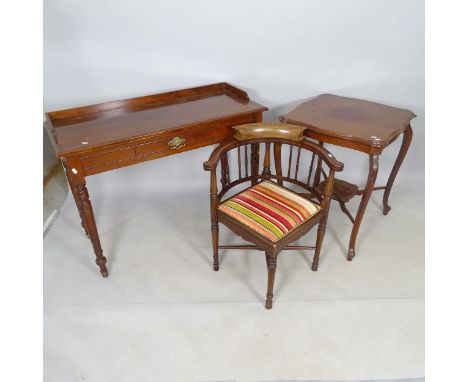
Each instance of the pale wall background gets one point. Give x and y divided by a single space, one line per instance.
280 52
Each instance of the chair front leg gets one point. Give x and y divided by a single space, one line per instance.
271 265
323 220
215 243
318 245
214 202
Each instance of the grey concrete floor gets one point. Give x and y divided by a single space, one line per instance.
164 315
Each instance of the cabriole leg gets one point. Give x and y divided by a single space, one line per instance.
405 144
372 176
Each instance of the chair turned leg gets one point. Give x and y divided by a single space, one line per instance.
215 240
318 246
271 264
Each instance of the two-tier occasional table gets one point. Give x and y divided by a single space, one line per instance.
364 126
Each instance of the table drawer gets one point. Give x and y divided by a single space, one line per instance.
180 142
107 157
157 147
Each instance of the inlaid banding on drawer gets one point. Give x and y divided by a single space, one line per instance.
109 157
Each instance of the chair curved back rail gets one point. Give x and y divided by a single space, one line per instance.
249 155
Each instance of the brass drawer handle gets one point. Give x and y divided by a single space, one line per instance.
176 143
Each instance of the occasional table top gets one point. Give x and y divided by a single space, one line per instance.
346 120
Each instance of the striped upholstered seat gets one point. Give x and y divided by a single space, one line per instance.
270 210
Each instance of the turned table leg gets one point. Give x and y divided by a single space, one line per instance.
80 192
75 196
373 170
88 215
405 144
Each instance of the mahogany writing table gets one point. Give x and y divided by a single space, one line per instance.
98 138
365 126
